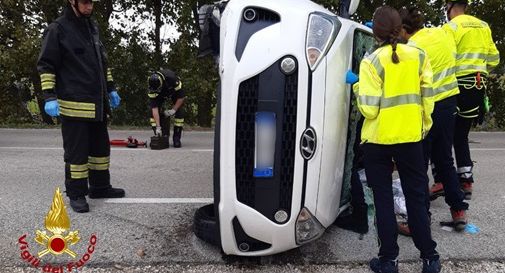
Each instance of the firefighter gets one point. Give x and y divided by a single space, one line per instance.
78 86
164 84
440 49
394 94
476 56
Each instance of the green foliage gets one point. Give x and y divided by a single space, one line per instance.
496 94
134 50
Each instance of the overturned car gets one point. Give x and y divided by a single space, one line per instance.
282 136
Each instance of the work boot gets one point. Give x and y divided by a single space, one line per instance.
403 229
431 266
436 191
79 204
459 219
467 189
177 136
106 193
379 266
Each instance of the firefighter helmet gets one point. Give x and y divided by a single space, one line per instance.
155 81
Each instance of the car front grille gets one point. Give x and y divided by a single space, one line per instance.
256 94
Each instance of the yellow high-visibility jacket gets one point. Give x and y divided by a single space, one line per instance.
476 51
395 99
441 52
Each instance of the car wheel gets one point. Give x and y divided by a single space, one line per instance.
205 225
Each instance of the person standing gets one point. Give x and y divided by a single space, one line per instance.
394 94
162 85
441 51
78 87
476 56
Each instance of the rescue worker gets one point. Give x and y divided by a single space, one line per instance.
78 87
476 56
357 221
441 51
162 85
394 96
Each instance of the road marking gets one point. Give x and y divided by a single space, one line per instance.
159 200
487 149
114 149
181 150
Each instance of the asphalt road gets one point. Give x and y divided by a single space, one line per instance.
145 236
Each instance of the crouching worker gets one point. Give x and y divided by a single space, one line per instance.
79 88
393 83
162 85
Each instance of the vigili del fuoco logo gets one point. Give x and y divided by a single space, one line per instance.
56 240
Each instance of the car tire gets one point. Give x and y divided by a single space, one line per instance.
205 225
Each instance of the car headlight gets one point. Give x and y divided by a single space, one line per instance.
307 227
321 33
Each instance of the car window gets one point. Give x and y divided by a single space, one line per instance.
364 44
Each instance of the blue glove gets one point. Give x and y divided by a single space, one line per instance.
52 108
369 24
114 99
351 78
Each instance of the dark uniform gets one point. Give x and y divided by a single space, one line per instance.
73 70
171 87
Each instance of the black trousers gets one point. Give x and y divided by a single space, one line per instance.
438 148
357 193
471 110
409 160
87 156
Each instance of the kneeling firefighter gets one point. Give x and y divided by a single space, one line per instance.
162 85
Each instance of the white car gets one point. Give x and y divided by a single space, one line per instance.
282 124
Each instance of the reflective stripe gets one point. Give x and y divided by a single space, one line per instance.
47 77
109 75
48 85
77 109
98 160
369 100
443 74
400 100
493 57
468 56
465 169
469 111
422 57
79 175
48 81
427 92
472 67
78 168
152 122
453 25
374 60
152 95
445 88
76 113
179 86
99 167
77 105
179 122
78 171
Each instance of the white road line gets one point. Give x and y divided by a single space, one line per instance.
487 149
114 149
181 150
159 200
